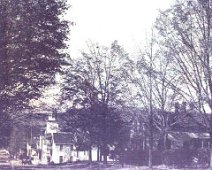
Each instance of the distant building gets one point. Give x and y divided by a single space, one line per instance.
189 139
58 147
4 155
186 129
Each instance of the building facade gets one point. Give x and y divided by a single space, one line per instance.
58 147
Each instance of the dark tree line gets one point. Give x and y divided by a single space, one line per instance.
32 37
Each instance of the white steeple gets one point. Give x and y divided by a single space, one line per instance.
52 126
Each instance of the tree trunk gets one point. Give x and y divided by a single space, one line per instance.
151 138
150 158
143 138
151 141
165 141
105 153
151 104
210 149
98 153
150 144
210 157
100 159
90 154
105 159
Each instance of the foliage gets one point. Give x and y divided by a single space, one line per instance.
32 37
187 157
186 30
87 126
95 84
17 140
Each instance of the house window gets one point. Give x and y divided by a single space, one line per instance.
61 159
61 147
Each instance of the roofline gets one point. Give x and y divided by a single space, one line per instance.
63 143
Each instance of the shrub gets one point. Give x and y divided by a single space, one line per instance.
186 157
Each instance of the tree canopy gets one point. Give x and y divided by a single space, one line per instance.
95 84
32 43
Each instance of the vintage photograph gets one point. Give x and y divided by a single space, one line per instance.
105 85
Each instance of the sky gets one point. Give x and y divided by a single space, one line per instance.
104 21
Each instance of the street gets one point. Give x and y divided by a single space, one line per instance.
86 166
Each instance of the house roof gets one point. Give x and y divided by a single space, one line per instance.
191 122
63 138
180 137
188 135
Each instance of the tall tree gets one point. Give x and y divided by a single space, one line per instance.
155 85
32 39
96 82
187 27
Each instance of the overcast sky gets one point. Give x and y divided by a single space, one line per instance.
104 21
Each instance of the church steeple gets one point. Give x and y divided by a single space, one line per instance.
51 125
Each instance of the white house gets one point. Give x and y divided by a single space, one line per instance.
63 149
58 147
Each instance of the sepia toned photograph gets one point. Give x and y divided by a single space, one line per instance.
105 85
